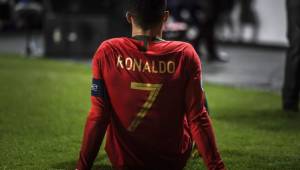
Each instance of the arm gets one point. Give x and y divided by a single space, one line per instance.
97 120
197 116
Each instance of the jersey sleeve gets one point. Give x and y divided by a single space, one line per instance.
197 116
98 117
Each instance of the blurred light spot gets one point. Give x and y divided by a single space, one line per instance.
192 33
72 37
57 35
185 14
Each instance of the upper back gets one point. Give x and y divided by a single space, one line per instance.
146 87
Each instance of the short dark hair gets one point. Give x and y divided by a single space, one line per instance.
147 13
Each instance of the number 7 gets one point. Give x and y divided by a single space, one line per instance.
154 90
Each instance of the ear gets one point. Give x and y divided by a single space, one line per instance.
128 17
166 16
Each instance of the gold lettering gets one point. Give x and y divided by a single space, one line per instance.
162 67
153 68
128 63
171 67
146 67
120 62
137 65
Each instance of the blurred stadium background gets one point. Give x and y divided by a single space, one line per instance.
45 52
74 29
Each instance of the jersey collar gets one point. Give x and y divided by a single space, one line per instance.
146 39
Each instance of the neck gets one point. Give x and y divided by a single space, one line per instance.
154 32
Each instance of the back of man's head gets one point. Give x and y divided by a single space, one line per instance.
147 13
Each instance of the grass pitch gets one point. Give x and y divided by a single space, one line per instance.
44 103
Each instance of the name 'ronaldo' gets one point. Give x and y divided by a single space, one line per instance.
156 67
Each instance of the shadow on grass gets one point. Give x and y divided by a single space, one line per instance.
264 119
71 165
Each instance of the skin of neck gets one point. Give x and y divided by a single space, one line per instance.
155 31
152 32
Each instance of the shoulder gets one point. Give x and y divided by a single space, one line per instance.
189 53
110 43
186 48
114 42
107 47
179 45
175 47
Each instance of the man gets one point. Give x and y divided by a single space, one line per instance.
147 97
291 87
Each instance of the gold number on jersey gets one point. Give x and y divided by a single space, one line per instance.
154 90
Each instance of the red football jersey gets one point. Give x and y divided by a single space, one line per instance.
147 98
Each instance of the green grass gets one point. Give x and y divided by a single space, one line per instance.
43 106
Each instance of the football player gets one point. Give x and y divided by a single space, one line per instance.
147 98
